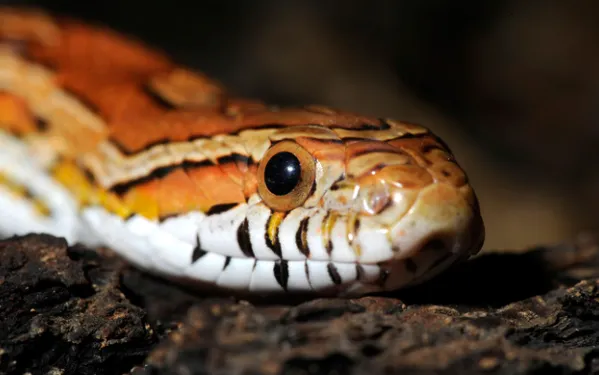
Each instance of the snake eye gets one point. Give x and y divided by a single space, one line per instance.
286 176
282 173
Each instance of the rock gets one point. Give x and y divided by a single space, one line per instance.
60 310
76 311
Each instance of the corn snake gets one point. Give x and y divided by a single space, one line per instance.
108 143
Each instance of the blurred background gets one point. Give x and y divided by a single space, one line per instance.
511 85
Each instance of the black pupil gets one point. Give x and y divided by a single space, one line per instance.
282 173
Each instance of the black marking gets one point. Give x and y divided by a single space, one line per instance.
227 261
378 167
406 136
41 124
163 218
301 237
197 251
411 266
422 136
329 246
220 208
160 172
238 131
89 176
385 124
359 272
357 224
312 189
382 126
21 47
27 193
281 271
383 148
335 185
159 100
234 158
334 274
191 138
383 276
14 132
441 142
307 272
122 188
83 100
130 216
347 140
163 141
276 245
147 147
425 149
324 142
325 223
243 239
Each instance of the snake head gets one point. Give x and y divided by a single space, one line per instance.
390 196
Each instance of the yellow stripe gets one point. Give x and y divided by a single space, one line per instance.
273 225
22 192
327 228
72 178
351 233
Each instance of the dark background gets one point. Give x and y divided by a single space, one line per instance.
512 86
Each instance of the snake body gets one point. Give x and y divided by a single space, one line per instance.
106 142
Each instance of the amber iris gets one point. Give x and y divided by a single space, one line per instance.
287 174
282 173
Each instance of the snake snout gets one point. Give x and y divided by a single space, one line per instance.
442 226
443 219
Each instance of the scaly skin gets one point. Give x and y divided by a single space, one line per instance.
108 143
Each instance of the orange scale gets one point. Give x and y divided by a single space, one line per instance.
217 186
14 115
231 169
178 194
250 181
323 149
143 199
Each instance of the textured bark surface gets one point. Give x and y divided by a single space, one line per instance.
75 311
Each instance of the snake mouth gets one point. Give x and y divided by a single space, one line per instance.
432 258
